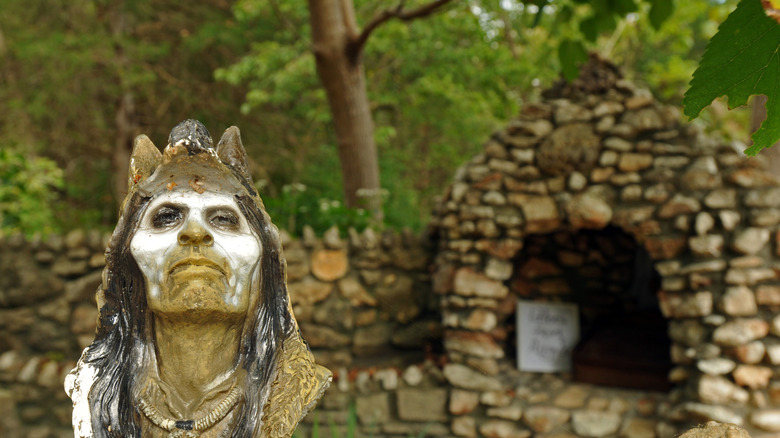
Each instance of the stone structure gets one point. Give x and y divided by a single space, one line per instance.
347 292
603 155
403 393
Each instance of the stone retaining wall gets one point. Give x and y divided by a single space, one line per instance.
362 301
419 401
365 304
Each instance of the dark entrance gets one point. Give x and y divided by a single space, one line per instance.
624 338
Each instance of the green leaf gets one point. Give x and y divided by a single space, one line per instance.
566 13
600 22
589 28
623 7
659 12
537 17
571 54
600 7
606 23
741 60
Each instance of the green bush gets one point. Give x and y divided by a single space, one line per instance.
28 189
297 206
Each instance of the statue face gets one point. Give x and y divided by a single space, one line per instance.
198 255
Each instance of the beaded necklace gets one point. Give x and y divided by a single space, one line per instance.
191 428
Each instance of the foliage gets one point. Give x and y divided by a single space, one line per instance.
578 24
28 191
664 59
422 78
438 86
65 67
56 78
297 206
571 54
741 60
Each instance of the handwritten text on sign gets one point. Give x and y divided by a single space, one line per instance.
546 335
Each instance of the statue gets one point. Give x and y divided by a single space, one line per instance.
196 336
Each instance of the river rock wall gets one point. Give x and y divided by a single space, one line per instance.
363 302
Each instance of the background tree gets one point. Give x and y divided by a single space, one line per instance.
78 80
338 44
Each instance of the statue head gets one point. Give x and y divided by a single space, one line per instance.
194 246
198 256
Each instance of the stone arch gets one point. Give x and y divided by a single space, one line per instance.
707 216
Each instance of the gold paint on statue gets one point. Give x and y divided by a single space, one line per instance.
300 380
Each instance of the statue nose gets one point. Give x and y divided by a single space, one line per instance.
195 234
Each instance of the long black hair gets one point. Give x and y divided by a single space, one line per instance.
120 350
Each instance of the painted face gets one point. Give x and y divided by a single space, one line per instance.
198 255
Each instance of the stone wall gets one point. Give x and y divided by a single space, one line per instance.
419 401
363 303
47 315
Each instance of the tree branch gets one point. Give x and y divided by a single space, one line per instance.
399 13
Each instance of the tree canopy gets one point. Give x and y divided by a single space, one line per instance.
437 87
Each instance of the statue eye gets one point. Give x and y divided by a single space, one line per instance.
224 219
167 217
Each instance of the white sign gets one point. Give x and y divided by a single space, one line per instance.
546 335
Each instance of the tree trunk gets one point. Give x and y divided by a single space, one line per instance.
123 145
334 34
124 119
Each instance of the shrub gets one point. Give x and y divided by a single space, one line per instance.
297 206
28 188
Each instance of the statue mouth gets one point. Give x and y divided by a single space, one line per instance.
196 262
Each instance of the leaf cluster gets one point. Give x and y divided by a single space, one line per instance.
297 207
29 187
66 68
596 18
741 60
422 77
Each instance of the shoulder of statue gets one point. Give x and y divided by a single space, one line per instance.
78 384
298 385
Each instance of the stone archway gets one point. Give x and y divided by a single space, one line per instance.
708 217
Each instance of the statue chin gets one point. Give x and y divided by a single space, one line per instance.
199 296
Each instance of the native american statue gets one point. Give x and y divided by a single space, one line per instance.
196 336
